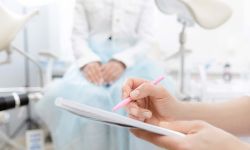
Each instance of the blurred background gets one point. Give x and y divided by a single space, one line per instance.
51 30
217 64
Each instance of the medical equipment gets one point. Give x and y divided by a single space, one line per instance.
11 102
209 14
17 100
47 76
50 59
11 24
227 74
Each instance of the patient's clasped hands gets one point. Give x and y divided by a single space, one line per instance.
99 74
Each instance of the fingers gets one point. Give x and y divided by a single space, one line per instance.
148 89
98 74
130 85
162 141
106 71
88 75
186 127
112 71
93 73
91 76
109 73
137 112
139 88
127 88
136 118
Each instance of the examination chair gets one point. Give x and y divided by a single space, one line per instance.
208 14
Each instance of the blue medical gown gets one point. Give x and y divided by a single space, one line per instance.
70 132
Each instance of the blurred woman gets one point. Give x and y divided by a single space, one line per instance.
110 39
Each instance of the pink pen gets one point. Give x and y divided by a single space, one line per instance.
128 100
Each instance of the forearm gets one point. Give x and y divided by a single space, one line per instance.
232 116
247 146
242 146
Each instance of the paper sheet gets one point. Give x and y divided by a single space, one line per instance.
111 118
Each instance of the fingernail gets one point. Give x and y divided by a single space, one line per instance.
135 93
147 114
133 111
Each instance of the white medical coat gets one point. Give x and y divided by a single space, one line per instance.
128 24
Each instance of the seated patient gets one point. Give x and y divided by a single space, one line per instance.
110 39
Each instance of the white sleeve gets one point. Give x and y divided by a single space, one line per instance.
146 36
80 33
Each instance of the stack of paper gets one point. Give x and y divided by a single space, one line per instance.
111 118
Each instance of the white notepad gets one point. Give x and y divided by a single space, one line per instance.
111 118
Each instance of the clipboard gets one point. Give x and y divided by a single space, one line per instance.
111 118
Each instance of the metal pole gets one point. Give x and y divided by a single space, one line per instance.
30 58
26 49
182 59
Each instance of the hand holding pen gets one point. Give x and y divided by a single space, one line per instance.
148 102
129 99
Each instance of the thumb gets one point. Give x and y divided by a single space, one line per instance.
162 141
